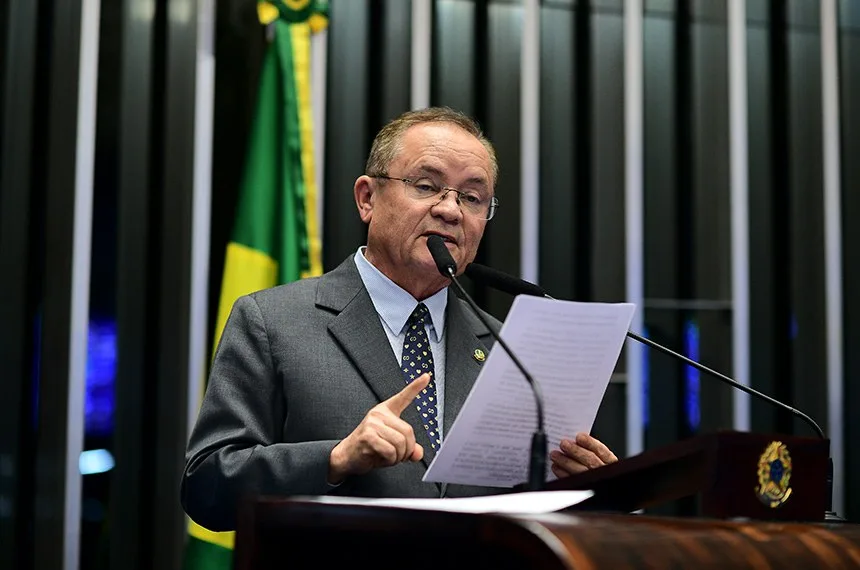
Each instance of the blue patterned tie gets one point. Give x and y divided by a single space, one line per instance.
416 360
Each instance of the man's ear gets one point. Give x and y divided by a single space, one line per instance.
364 196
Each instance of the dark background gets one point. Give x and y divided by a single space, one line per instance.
140 270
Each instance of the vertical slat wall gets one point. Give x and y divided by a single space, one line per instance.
691 156
20 287
135 140
848 21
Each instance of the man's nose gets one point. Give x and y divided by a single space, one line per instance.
449 208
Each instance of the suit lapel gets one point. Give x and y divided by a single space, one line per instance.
359 332
463 332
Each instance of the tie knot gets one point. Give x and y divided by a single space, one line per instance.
420 315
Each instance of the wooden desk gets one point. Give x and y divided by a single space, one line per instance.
284 533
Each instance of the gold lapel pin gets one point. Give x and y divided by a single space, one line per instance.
479 355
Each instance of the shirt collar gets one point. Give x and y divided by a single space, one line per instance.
393 303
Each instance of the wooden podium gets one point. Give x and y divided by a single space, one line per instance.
721 468
284 533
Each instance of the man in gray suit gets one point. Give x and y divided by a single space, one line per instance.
344 384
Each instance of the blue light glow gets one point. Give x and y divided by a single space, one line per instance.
691 348
101 373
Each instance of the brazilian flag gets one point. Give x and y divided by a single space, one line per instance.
275 237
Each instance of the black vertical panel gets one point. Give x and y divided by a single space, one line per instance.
5 10
600 128
396 59
18 288
480 61
375 72
559 138
685 222
169 426
805 169
606 140
52 489
130 495
685 196
501 243
453 61
610 423
660 212
711 239
348 134
587 128
849 74
780 211
762 246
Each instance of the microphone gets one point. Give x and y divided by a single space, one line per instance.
502 281
515 286
537 459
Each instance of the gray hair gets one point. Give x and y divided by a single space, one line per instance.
388 140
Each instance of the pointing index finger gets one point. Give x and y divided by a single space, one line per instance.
398 402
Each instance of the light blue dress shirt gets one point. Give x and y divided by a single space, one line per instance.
394 306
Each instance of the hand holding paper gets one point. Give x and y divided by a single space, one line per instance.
579 454
571 349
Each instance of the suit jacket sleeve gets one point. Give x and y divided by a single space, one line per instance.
235 448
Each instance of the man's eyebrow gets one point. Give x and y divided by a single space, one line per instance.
433 171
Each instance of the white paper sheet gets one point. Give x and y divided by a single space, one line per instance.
515 503
570 349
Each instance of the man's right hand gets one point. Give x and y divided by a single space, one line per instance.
381 439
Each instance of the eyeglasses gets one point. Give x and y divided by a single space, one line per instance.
470 201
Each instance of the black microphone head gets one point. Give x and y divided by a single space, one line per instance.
502 281
444 262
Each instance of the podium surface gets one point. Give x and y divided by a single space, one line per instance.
280 533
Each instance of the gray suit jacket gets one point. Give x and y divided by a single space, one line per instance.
297 368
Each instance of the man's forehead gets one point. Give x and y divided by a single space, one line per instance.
424 138
436 129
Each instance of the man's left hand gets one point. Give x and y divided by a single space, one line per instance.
580 454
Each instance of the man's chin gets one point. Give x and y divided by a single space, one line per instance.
430 264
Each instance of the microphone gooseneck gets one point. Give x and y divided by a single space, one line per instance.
537 460
516 286
729 381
